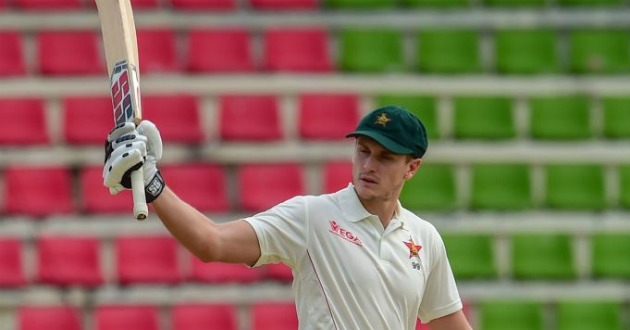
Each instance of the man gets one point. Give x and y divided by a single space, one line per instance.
359 259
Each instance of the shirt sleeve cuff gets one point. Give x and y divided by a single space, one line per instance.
437 313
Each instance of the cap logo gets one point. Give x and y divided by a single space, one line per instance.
382 120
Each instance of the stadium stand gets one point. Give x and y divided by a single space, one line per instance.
225 50
11 54
55 48
507 314
600 51
218 272
37 191
448 51
471 256
204 316
121 317
11 264
542 256
609 255
264 185
147 259
95 197
181 126
526 52
433 188
66 260
49 318
616 117
86 120
575 187
297 50
337 175
584 315
278 272
190 5
249 118
268 315
315 111
58 5
157 51
483 118
371 50
560 118
284 4
23 122
209 193
501 187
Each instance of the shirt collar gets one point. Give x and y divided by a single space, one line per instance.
354 211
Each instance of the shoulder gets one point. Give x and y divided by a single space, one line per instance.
419 225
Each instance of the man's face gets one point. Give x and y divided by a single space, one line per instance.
377 173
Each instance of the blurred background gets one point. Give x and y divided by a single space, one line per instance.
527 177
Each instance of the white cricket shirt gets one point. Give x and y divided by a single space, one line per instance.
350 273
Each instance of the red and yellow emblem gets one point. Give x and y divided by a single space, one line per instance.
413 248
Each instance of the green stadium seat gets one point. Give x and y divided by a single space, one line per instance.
448 51
560 118
526 52
470 255
432 188
515 3
542 256
359 4
436 3
424 107
624 173
483 118
510 315
589 315
575 187
616 117
371 50
600 51
500 187
611 255
590 2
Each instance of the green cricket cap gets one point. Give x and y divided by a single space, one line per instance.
396 129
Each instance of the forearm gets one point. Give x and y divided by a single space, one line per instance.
455 321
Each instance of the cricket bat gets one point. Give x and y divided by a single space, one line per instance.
121 52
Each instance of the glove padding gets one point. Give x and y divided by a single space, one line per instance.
128 148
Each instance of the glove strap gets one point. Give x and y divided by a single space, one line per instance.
155 187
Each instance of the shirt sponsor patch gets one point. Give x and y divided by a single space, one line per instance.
345 234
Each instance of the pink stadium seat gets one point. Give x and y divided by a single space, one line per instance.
328 116
224 50
204 4
126 317
11 272
249 118
177 116
337 175
69 53
3 4
11 54
219 272
284 4
274 316
22 122
144 4
262 186
147 259
157 50
49 318
279 272
200 185
297 50
87 119
48 4
37 191
69 260
95 197
204 317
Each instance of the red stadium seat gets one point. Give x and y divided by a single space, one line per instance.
177 116
3 4
144 4
11 272
283 4
38 191
64 260
297 50
337 175
225 50
219 272
126 317
328 116
48 4
204 4
95 197
69 53
22 122
279 272
49 318
147 259
204 317
157 51
262 186
249 118
200 185
11 54
274 316
87 119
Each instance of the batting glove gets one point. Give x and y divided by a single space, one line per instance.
128 148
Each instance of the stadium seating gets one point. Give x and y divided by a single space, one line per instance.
188 316
249 118
590 2
157 51
181 126
55 48
610 254
519 3
483 118
437 4
284 4
86 120
11 271
262 186
448 51
11 54
278 272
147 259
526 52
358 4
200 185
575 187
219 272
49 318
560 118
23 122
124 317
616 117
60 5
268 315
37 191
95 197
470 255
501 187
513 315
327 116
587 314
423 106
69 260
599 51
370 50
337 175
542 256
144 4
624 173
296 50
191 5
219 51
433 188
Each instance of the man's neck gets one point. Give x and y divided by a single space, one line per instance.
385 210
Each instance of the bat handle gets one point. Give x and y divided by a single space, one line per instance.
140 209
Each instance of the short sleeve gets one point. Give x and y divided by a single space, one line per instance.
440 297
281 232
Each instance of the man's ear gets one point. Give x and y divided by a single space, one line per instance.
412 168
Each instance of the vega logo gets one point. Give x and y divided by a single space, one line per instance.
345 234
